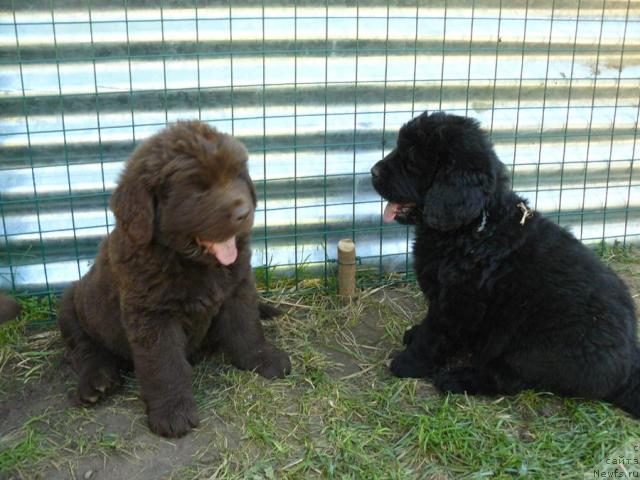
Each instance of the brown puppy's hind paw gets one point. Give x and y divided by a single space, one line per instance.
96 381
274 363
267 312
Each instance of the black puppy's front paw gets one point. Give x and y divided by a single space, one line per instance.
406 365
450 381
409 335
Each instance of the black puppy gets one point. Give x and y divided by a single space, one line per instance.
515 302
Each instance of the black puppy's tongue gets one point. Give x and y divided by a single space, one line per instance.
390 211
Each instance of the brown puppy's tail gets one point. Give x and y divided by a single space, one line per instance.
628 397
267 312
9 308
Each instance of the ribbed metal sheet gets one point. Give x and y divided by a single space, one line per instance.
317 92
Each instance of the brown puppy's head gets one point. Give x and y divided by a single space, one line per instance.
188 188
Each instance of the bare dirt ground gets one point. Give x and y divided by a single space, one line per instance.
111 440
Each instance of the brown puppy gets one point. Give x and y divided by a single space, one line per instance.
173 280
9 308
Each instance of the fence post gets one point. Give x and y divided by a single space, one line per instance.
346 268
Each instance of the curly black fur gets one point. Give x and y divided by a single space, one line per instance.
512 305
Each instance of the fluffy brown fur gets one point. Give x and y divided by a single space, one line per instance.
9 308
173 280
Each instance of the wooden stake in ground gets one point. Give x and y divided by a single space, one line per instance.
346 268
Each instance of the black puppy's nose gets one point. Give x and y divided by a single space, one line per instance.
376 169
240 213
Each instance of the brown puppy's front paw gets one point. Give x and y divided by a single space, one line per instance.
173 417
274 363
96 381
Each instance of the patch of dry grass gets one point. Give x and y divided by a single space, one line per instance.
340 414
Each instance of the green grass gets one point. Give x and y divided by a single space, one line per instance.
34 310
616 253
26 352
340 414
28 448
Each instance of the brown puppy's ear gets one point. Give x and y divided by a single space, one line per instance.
455 199
245 176
132 205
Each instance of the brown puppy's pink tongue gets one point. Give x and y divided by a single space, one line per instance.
390 211
226 252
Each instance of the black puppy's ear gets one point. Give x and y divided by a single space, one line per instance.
455 199
132 205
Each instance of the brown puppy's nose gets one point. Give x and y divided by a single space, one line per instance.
376 169
240 213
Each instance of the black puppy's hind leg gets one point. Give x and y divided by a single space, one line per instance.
492 379
97 368
628 396
426 352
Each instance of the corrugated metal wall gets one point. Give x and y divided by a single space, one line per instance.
317 92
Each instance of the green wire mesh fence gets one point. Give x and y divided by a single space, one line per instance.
317 92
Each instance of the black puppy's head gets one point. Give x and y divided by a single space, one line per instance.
442 172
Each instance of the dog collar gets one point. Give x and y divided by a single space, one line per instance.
526 213
483 222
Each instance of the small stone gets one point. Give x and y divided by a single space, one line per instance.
88 474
